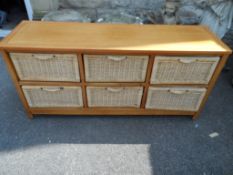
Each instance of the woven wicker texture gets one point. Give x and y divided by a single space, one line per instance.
197 70
100 68
50 67
114 96
176 98
52 96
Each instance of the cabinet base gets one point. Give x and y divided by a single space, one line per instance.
109 111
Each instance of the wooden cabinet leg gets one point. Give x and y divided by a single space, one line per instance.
196 115
30 115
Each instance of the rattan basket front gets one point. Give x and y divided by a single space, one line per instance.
109 68
114 96
195 70
46 67
175 98
53 96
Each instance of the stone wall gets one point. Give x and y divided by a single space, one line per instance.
112 4
217 14
94 8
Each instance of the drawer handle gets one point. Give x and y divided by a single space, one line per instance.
114 89
43 57
116 58
178 92
186 61
52 89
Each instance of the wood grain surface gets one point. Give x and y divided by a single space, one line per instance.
88 37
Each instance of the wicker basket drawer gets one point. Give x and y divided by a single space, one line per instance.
175 98
47 67
114 96
53 96
109 68
198 70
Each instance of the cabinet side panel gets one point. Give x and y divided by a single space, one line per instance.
212 82
15 79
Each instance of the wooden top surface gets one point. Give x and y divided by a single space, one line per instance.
72 36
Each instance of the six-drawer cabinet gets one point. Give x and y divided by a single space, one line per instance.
85 76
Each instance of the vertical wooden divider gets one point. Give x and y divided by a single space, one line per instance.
147 81
15 79
212 82
82 77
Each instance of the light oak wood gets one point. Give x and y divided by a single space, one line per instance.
86 37
112 52
112 39
122 84
82 76
107 111
48 83
147 83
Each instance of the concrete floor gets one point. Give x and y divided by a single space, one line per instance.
14 17
116 145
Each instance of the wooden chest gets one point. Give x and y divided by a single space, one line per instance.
113 69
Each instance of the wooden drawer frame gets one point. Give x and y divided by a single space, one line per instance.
110 111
